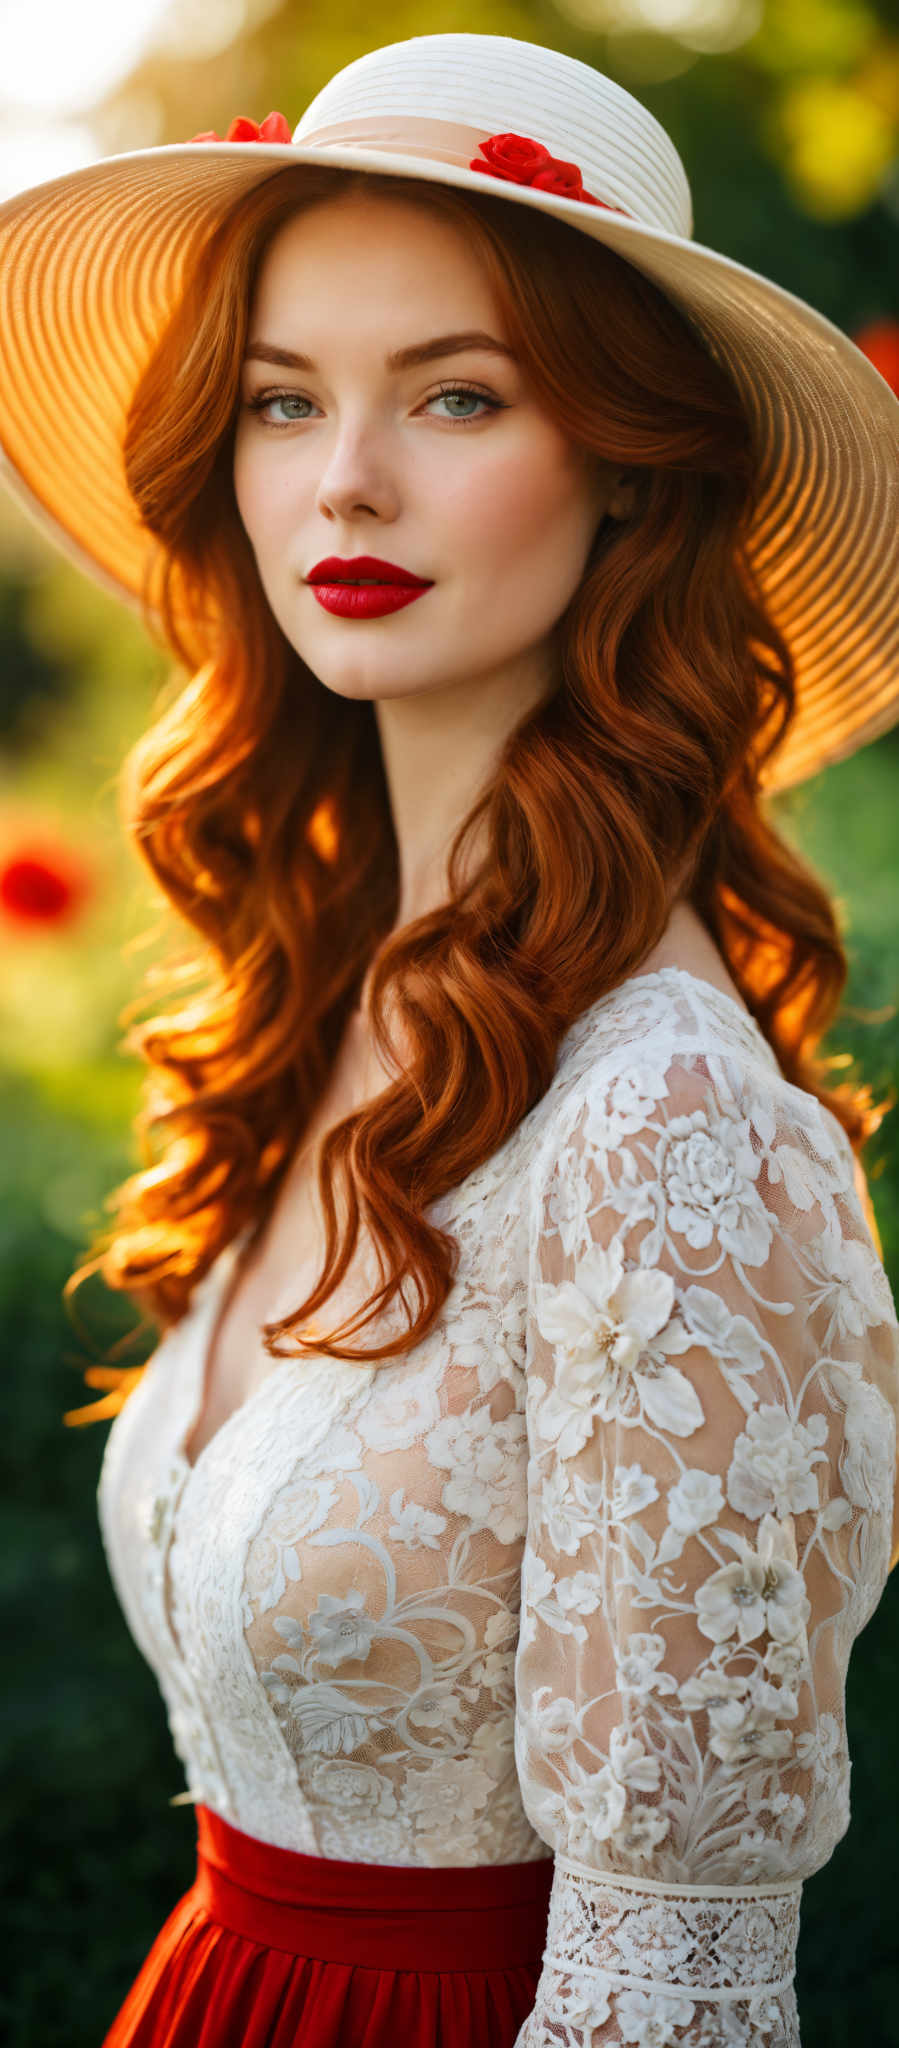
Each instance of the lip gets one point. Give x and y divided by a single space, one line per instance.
372 601
332 569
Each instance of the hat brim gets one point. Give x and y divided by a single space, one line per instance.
91 268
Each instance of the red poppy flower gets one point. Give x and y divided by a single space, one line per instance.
522 161
880 343
275 128
41 886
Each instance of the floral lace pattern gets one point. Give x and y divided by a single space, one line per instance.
668 1959
581 1574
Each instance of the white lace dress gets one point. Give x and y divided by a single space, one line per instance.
581 1574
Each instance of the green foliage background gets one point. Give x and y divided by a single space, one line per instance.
790 140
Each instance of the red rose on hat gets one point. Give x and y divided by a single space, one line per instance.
274 128
514 157
522 161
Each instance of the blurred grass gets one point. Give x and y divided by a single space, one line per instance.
92 1856
845 822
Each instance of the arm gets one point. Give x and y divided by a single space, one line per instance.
712 1390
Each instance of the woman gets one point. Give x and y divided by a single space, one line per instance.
543 1592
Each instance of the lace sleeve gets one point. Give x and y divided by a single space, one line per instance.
713 1360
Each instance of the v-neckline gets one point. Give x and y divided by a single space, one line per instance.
205 1328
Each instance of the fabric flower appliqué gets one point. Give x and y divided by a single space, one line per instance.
521 161
400 1412
866 1459
340 1629
446 1793
632 1490
274 1558
638 1665
568 1512
771 1468
601 1806
353 1788
708 1170
413 1525
486 1461
764 1591
275 128
613 1332
743 1730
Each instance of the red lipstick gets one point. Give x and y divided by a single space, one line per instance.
364 587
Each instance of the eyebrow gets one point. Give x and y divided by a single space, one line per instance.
400 359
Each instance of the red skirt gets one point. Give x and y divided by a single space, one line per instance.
271 1949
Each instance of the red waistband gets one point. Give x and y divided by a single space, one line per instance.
379 1916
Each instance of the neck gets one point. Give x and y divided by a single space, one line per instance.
440 750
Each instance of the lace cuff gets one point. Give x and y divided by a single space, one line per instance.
631 1960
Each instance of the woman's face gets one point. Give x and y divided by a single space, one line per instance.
480 493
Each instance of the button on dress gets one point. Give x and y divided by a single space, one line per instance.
558 1607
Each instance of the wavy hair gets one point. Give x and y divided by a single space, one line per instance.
259 802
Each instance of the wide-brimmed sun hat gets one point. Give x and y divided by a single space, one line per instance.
92 265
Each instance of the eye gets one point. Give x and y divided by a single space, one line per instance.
467 391
291 399
264 399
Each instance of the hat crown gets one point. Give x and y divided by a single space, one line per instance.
506 86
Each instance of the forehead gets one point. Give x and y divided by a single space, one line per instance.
374 257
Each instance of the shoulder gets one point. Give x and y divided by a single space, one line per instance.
668 1038
669 1082
683 1176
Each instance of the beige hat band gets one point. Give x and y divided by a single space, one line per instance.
444 142
418 135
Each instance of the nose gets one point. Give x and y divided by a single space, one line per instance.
357 478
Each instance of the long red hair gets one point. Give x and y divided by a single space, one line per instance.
259 802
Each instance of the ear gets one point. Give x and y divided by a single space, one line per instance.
621 502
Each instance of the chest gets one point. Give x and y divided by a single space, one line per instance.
282 1263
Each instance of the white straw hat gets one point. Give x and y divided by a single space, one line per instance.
91 266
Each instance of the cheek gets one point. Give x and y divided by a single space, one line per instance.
532 506
261 495
247 492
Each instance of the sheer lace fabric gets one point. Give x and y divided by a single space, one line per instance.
582 1574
